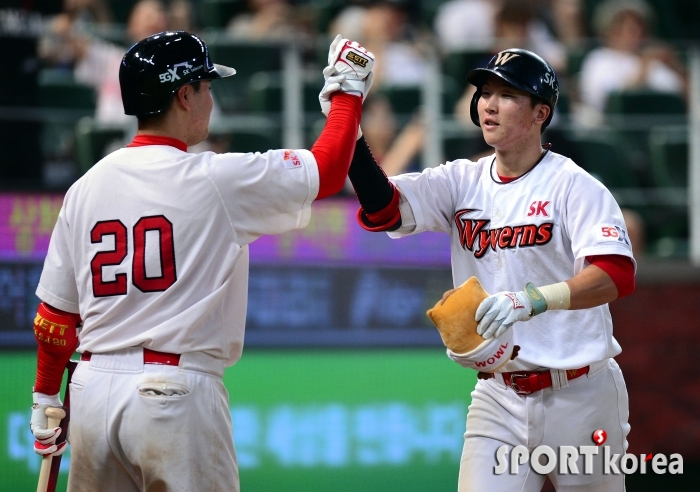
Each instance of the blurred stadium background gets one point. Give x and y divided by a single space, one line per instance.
343 384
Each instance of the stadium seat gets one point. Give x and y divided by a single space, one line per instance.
93 142
60 91
247 58
252 141
645 102
457 64
218 13
265 92
668 150
602 156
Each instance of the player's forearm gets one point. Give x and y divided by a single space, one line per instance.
335 146
55 333
591 287
378 197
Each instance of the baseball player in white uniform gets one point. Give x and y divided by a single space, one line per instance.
521 218
150 254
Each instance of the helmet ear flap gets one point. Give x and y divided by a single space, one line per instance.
473 112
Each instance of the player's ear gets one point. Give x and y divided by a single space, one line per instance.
542 112
183 97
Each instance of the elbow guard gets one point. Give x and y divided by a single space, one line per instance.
57 337
386 219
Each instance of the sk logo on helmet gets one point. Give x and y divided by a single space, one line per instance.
504 57
171 75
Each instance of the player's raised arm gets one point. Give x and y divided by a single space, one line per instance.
348 79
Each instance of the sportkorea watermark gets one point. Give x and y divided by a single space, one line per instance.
545 460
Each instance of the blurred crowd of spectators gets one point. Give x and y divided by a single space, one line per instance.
626 54
596 47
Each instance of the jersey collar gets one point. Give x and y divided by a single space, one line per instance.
505 180
142 140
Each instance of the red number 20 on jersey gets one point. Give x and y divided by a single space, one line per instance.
118 286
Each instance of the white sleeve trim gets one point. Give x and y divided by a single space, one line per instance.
57 302
314 185
409 205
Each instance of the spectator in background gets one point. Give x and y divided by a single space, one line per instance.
466 24
350 21
266 19
629 59
395 152
515 26
99 64
181 16
95 62
387 34
495 25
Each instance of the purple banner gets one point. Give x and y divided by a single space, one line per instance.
334 237
331 238
26 222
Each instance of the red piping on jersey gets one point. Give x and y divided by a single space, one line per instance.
335 146
621 271
143 140
507 179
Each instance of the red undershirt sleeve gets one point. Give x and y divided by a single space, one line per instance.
334 148
620 269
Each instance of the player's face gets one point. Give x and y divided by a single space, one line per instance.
202 105
506 115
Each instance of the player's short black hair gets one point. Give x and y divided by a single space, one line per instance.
149 120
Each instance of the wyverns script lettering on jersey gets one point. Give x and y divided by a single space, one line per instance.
475 236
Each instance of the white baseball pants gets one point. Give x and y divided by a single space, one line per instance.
566 417
139 427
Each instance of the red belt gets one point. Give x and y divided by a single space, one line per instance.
527 382
149 357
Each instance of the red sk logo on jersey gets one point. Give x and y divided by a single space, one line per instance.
538 208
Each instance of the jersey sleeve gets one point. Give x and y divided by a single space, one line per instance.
57 285
594 222
426 201
268 193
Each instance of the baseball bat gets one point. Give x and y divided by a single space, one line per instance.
55 416
56 463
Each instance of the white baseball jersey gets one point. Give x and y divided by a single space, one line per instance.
151 249
538 228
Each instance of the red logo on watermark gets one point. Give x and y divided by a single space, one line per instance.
599 437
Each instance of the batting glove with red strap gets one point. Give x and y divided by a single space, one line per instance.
45 443
349 70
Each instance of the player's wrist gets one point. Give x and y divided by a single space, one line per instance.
42 399
548 297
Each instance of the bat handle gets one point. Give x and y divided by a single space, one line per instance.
55 415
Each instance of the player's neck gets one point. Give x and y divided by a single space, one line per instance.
514 162
173 127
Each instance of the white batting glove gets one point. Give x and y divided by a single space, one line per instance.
354 62
333 83
45 443
499 311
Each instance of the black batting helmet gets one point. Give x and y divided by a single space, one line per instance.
155 67
523 70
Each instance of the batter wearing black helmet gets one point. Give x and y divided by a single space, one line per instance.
549 241
150 255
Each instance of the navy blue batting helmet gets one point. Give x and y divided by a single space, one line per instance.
523 70
155 67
